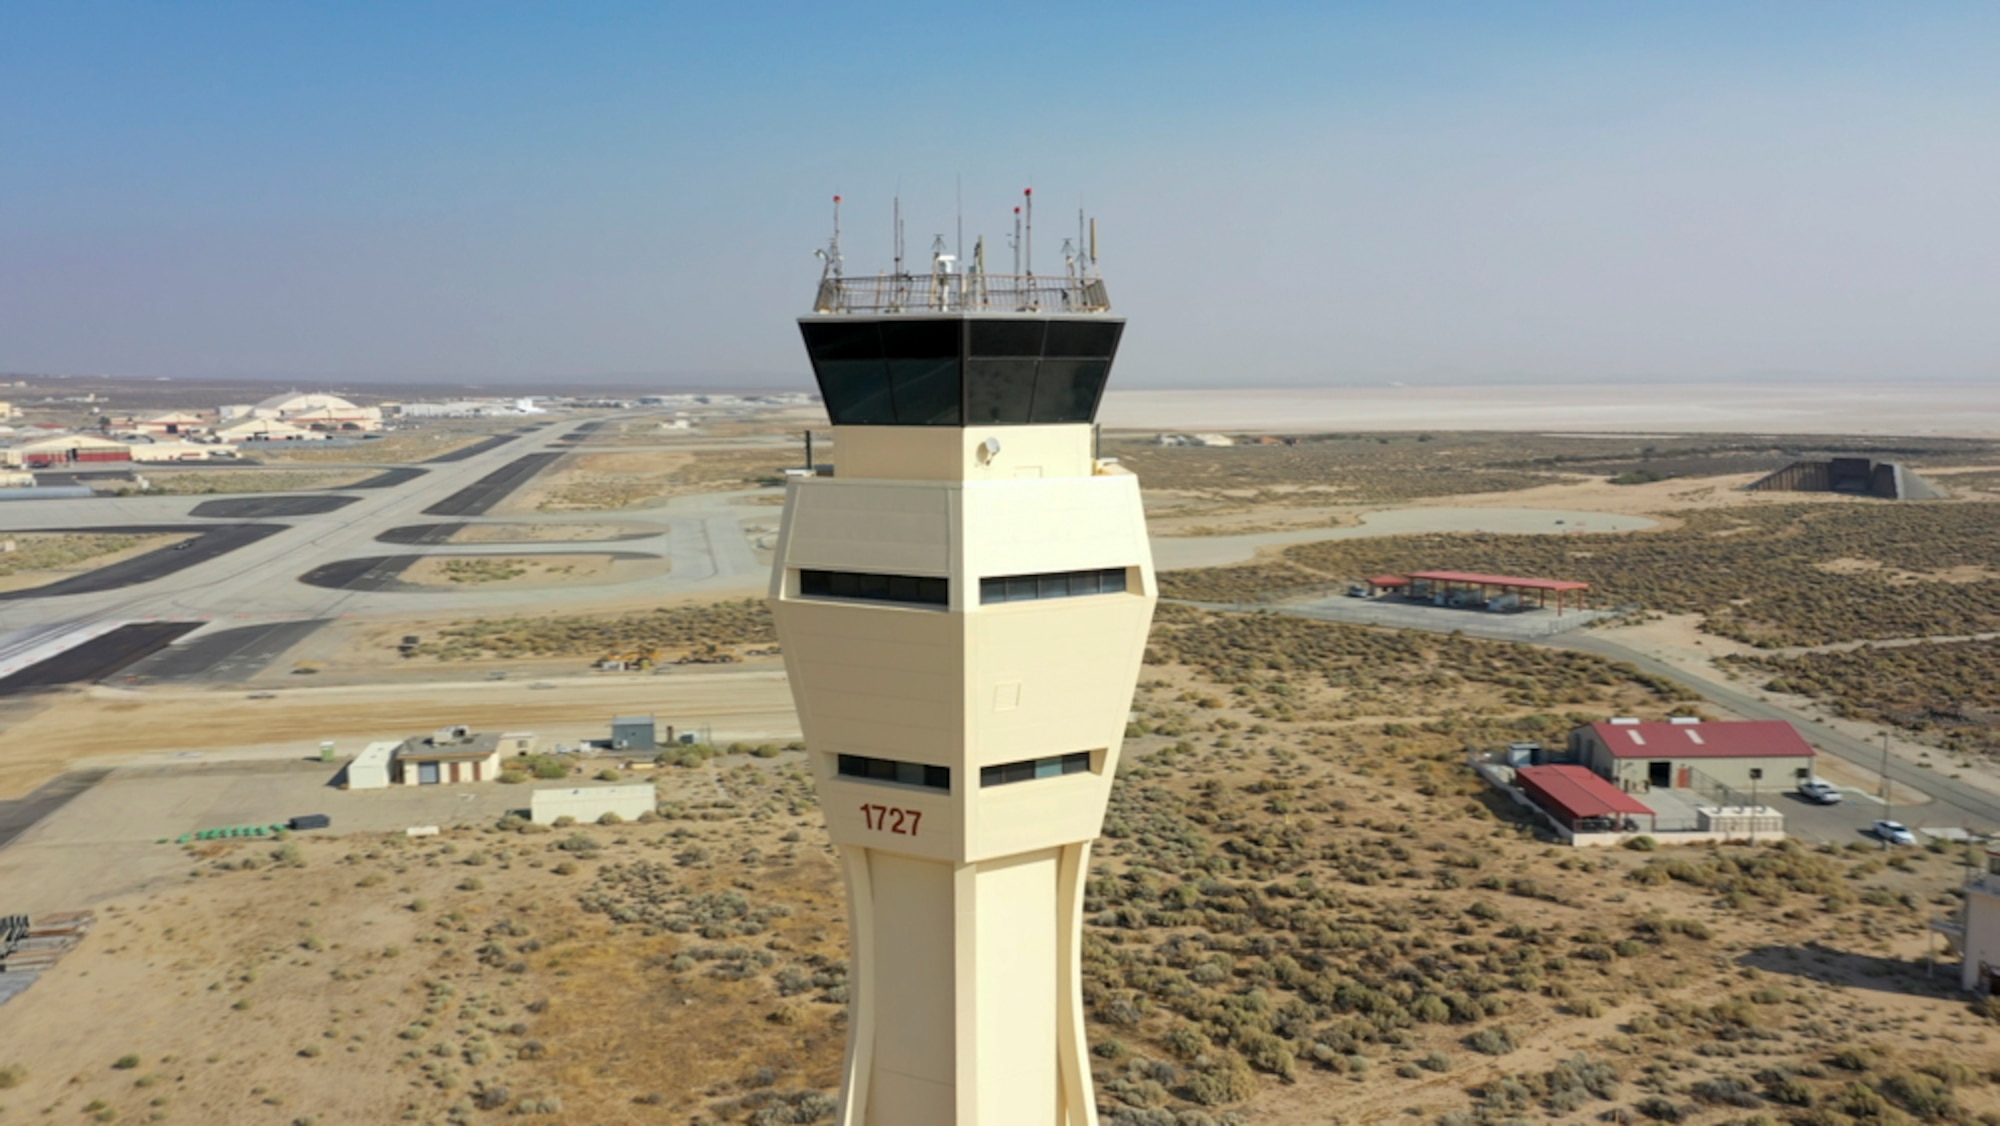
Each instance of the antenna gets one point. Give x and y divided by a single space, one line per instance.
831 255
1093 244
1028 195
1015 242
959 190
1079 239
899 236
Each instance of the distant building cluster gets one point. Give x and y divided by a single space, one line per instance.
178 435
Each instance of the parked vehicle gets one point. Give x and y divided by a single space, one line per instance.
1895 832
1822 793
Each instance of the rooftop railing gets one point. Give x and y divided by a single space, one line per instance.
961 293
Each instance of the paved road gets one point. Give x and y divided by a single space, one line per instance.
472 451
21 814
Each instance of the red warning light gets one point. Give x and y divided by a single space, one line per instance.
836 199
1027 191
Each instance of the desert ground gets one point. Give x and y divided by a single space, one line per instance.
1305 907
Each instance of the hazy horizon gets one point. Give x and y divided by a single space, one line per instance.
1454 196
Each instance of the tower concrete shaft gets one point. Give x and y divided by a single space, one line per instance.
963 609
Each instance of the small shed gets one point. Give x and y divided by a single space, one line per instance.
370 768
590 803
634 733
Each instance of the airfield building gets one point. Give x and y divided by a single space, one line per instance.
1686 754
456 754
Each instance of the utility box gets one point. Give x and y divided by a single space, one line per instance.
634 733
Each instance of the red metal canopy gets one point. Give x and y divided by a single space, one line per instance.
1499 580
1388 580
1573 793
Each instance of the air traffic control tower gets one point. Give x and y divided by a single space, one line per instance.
963 603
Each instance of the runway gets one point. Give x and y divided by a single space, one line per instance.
389 478
226 656
211 542
472 451
483 494
97 658
243 576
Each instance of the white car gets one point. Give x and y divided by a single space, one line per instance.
1822 793
1895 832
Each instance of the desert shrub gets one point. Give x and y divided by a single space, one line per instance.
12 1075
1494 1041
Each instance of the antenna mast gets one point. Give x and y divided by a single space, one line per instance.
1028 195
1015 242
899 236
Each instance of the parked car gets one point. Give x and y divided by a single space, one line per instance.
1895 833
1823 793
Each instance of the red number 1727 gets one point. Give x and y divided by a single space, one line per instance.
901 822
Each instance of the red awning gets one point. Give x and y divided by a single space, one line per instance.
1573 793
1388 580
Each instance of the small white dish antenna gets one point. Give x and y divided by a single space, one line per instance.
990 448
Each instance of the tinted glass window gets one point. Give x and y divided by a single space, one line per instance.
1067 390
921 340
1090 339
1006 338
999 390
842 340
926 391
856 392
914 589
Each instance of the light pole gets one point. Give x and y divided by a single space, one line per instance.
1885 788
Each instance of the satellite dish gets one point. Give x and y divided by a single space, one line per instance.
992 448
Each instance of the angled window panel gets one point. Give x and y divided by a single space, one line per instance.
999 391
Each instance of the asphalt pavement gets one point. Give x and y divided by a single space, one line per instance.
476 498
97 658
228 656
267 507
212 541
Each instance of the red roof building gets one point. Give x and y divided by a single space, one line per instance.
1580 800
1747 756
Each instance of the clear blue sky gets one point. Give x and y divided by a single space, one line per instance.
1287 194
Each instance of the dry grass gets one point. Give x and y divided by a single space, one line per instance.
56 552
1947 693
603 482
395 447
1287 915
1756 574
198 483
709 630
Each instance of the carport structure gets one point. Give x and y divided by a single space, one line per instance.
1581 800
1380 583
1508 583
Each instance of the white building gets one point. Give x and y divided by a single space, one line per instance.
591 803
266 430
963 609
370 769
316 411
